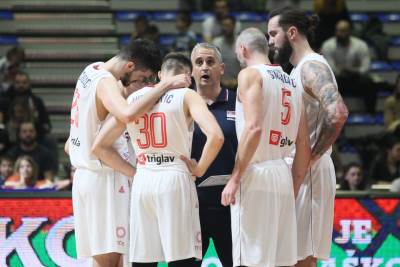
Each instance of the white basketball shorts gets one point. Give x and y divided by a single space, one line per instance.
263 217
101 212
314 210
164 224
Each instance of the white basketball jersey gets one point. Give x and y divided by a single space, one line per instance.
164 133
84 121
312 106
281 114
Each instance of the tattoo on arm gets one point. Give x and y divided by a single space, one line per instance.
318 82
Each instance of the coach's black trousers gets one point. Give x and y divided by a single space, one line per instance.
181 263
215 221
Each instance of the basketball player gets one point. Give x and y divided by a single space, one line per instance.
288 30
269 123
100 229
164 207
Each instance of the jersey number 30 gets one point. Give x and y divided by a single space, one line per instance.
148 135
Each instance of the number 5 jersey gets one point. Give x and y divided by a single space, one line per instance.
281 114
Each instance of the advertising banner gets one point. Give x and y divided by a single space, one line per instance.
39 232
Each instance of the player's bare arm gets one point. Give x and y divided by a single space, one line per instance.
109 98
66 147
303 153
196 108
252 97
103 147
318 81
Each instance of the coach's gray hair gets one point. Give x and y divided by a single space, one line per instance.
254 39
215 48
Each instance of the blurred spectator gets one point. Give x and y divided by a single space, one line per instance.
392 109
18 113
141 24
28 145
226 43
153 33
373 33
6 168
25 177
212 26
386 166
353 178
330 12
185 40
22 89
9 66
350 60
33 109
4 140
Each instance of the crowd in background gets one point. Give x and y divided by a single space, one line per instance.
29 156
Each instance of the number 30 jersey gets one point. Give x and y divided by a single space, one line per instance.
164 133
281 114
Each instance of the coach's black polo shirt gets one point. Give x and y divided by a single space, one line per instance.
224 111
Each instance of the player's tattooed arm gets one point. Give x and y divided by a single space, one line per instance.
318 81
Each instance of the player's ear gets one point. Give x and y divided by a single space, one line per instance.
292 33
159 74
130 66
222 66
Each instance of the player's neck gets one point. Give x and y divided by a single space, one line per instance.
257 58
113 65
300 50
209 93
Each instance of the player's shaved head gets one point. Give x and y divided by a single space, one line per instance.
176 63
253 39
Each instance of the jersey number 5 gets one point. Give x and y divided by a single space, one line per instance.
285 115
148 135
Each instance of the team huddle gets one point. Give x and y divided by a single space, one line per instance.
135 198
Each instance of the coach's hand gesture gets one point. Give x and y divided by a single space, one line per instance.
229 193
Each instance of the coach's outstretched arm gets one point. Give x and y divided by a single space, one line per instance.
109 94
251 95
318 81
196 108
103 147
303 153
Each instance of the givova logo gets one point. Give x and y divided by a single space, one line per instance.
275 138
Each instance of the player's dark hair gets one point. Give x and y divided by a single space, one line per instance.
289 17
176 62
144 53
